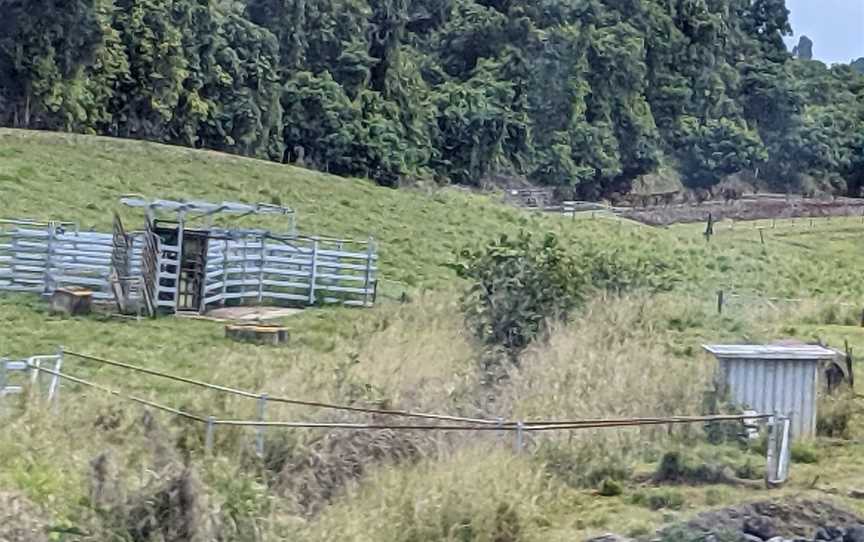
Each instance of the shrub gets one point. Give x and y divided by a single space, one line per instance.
659 499
579 466
519 285
610 488
835 415
804 452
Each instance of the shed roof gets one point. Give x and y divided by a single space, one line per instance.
204 206
755 351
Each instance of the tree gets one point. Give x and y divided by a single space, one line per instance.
712 150
44 46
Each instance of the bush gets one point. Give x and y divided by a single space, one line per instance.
835 415
610 488
804 452
519 285
659 499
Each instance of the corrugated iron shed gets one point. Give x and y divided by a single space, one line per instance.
774 379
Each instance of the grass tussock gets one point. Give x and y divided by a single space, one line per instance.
481 495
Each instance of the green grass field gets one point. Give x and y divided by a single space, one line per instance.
415 354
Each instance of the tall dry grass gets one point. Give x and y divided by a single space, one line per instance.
93 463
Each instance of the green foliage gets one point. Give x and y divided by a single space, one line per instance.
610 488
804 452
659 499
587 95
836 413
519 285
712 150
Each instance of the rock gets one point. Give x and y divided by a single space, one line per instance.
854 534
857 494
761 527
749 538
834 533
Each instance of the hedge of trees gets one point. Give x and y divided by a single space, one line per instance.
587 94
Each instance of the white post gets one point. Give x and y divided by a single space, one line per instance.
770 460
519 436
224 270
48 280
3 362
181 228
785 450
261 269
314 273
370 252
208 438
54 388
262 413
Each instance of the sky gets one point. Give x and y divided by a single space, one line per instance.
835 26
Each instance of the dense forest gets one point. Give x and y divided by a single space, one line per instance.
586 94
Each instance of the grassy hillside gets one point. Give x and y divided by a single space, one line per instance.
98 466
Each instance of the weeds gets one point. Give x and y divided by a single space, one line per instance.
659 499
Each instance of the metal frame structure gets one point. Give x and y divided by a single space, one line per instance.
774 379
186 265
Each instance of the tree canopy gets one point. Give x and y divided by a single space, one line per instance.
583 94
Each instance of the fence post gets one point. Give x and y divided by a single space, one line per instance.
709 228
224 270
3 362
48 280
261 269
262 413
54 387
313 275
770 461
208 438
719 301
369 253
785 451
519 436
244 267
34 376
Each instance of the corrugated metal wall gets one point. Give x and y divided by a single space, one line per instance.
783 386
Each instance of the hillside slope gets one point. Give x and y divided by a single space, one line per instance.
98 465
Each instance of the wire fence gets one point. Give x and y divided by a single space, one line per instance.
437 422
778 425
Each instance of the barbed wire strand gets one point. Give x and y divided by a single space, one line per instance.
510 427
115 393
284 400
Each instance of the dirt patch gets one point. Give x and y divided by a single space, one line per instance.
21 520
749 208
791 518
251 314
